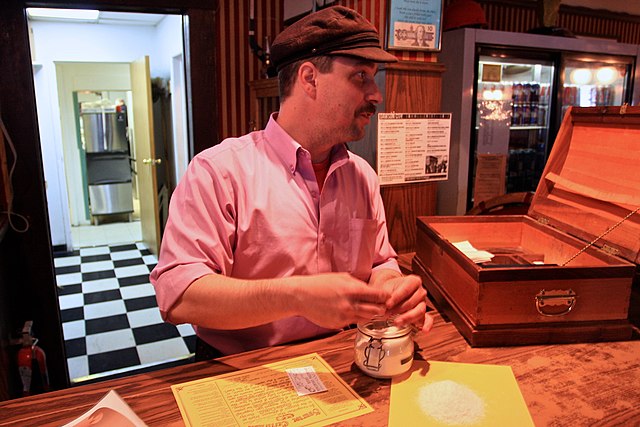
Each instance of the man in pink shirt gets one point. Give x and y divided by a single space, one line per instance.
280 235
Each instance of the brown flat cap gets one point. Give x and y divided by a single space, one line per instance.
335 30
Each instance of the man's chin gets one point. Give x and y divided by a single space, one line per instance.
357 134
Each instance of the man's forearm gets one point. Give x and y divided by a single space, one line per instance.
330 300
219 302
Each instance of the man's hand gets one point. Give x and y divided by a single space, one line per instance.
407 302
334 300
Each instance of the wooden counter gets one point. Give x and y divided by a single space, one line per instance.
563 385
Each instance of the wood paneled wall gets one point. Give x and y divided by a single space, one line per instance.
410 87
238 65
520 16
619 28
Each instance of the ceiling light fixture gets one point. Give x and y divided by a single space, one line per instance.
84 15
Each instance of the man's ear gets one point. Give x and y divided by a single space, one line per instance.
307 75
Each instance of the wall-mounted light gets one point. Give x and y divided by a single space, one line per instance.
84 15
580 76
606 75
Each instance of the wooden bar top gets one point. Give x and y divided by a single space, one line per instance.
563 385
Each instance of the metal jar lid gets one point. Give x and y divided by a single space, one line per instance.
383 328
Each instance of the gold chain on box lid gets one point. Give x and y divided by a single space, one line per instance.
607 231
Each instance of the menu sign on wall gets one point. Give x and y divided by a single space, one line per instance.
413 147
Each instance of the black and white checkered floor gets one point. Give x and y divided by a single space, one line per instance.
110 319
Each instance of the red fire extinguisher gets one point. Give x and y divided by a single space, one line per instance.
32 364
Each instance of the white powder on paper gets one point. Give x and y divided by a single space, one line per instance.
451 403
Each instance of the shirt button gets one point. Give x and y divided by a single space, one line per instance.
322 238
314 194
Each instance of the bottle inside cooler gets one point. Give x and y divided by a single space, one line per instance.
529 84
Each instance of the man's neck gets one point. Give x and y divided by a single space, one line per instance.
316 143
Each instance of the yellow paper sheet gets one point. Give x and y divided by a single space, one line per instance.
265 396
457 394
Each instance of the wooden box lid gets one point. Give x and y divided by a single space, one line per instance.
591 183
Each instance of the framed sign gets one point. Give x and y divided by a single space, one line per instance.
491 72
414 25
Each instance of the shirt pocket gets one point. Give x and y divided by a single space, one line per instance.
362 237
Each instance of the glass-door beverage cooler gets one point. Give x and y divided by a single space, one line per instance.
507 93
524 85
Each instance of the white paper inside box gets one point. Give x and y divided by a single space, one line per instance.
563 272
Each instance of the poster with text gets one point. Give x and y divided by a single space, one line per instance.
413 147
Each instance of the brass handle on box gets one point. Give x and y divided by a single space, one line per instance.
548 302
151 161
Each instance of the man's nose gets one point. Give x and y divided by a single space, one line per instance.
374 96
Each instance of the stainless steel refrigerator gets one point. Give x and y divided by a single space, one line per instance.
508 92
108 161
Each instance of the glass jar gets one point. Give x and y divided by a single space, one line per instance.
382 349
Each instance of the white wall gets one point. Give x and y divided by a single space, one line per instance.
67 42
168 44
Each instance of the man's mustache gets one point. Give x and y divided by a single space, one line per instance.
367 108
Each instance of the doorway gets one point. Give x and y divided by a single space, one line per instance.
98 57
110 321
28 257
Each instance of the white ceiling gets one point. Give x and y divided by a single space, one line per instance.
129 18
116 18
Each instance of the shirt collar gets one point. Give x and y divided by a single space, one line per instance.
287 148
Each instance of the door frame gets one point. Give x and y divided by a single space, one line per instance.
28 276
145 151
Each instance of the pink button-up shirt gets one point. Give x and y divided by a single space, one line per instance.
250 208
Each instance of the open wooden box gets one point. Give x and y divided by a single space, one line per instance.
563 272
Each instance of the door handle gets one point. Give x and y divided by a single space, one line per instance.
151 161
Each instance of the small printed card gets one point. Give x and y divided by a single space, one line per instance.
474 254
305 380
